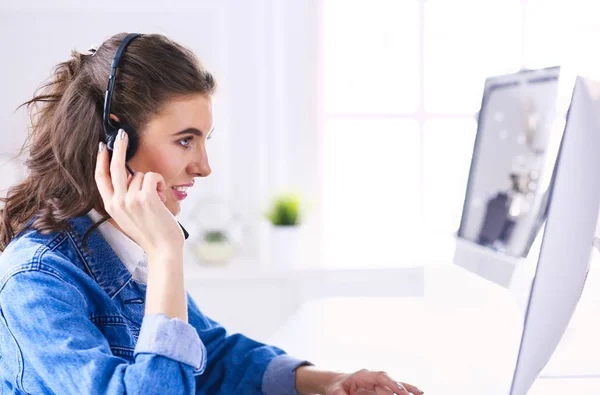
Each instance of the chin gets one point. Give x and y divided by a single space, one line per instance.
173 207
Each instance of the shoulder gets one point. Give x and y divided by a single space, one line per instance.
33 252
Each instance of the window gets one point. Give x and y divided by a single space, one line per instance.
402 83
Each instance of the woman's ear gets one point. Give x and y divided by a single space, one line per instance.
114 118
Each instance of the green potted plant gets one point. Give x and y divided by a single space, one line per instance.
215 247
285 210
285 216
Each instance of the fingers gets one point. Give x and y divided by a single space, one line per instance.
383 391
338 391
129 178
161 188
412 389
383 380
135 185
136 181
154 185
102 174
118 172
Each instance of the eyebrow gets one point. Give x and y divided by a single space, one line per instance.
193 131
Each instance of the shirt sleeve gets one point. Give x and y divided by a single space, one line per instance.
238 364
172 338
51 330
280 376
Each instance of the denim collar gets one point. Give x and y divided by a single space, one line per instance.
129 252
101 262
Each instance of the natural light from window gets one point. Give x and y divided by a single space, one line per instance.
402 84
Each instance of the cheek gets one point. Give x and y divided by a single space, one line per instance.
165 163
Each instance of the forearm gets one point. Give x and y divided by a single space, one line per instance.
165 292
311 380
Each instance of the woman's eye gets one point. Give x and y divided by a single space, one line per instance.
187 140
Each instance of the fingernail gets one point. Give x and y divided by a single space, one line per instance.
101 147
121 134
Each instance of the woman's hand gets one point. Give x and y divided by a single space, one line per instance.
136 203
312 380
366 382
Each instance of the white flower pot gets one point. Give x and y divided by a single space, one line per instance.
284 245
215 252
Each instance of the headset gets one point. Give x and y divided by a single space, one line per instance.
111 127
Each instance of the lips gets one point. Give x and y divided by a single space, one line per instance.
180 191
179 195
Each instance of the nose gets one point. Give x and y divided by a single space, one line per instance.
200 167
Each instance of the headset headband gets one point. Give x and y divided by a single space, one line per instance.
111 79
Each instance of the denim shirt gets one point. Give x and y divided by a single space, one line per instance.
72 322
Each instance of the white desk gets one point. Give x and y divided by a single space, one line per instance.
448 342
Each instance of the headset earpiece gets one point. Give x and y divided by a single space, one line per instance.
111 136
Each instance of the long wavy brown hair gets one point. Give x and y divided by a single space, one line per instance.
66 126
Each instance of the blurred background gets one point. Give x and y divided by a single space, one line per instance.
365 110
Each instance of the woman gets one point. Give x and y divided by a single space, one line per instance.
92 296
